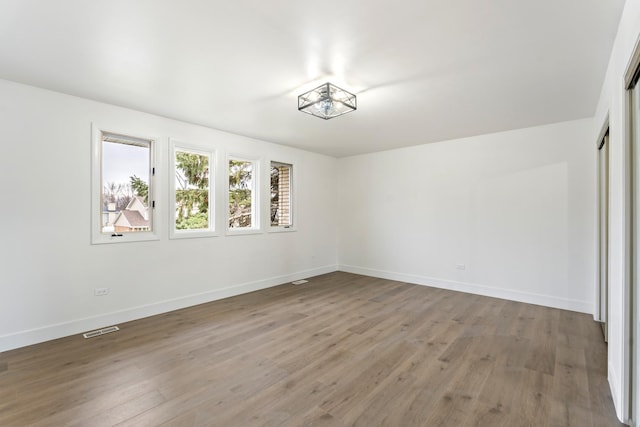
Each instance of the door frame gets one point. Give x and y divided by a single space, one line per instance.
603 138
631 334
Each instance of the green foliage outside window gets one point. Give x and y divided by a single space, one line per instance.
192 196
240 197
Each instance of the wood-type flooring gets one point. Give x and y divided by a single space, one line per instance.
341 350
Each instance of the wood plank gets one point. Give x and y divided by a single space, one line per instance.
341 350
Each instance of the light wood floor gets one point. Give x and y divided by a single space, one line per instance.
340 350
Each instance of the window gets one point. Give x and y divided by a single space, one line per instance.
123 172
281 195
191 198
242 194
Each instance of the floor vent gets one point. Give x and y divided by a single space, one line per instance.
99 332
300 282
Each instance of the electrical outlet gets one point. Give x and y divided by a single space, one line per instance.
99 292
461 267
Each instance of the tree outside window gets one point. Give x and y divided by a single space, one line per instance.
191 191
241 194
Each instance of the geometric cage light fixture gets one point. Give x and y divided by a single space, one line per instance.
327 101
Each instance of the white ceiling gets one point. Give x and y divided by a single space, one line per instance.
424 70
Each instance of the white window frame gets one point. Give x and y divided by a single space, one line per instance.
256 207
293 207
175 146
97 236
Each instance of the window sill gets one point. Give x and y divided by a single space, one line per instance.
243 232
282 229
192 234
107 239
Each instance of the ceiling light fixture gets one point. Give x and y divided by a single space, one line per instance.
327 101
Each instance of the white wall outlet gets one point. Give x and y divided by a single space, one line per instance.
100 291
461 267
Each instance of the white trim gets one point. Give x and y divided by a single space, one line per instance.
623 405
282 229
629 400
614 385
177 145
603 130
473 288
597 306
633 65
97 236
244 231
77 326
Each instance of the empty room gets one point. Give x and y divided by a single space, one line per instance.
358 213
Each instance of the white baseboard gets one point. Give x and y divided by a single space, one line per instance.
616 387
72 327
472 288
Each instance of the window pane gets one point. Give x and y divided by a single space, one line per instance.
240 194
192 191
125 185
281 176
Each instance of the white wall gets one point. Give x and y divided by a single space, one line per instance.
516 208
612 103
49 269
